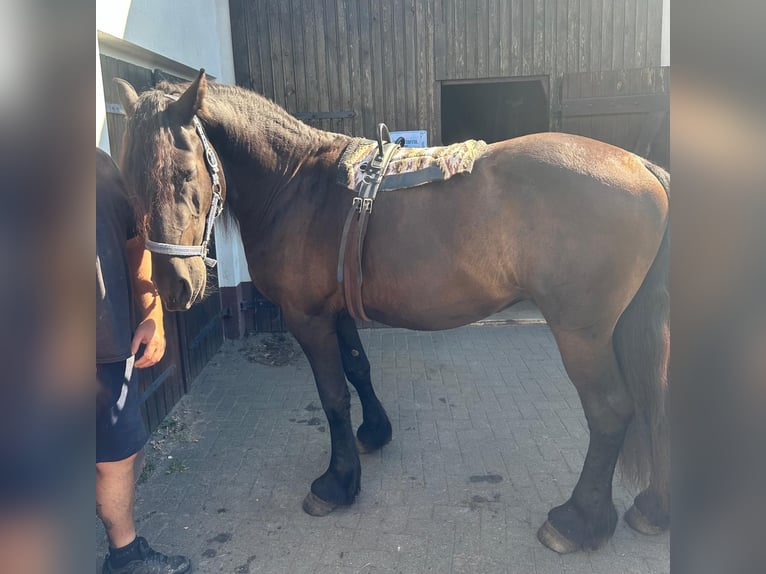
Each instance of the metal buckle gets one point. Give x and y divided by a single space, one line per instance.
367 204
357 204
211 159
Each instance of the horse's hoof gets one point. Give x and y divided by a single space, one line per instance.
553 539
315 506
640 523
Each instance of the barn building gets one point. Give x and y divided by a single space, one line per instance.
449 70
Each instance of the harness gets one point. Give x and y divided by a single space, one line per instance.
355 227
216 206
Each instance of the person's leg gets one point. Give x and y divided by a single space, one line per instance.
114 500
120 437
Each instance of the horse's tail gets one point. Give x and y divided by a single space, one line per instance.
642 346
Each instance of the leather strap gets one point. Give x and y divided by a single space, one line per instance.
355 228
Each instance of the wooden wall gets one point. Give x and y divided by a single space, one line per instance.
383 60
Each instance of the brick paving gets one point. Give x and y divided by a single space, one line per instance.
488 436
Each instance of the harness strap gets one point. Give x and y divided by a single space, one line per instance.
216 206
355 226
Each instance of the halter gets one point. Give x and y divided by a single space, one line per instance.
216 207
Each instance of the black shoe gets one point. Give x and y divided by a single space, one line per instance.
151 562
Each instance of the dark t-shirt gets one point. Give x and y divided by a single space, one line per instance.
115 224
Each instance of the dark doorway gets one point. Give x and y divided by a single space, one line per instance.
494 111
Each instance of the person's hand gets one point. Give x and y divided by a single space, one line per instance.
150 333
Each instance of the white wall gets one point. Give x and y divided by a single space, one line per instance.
665 38
196 33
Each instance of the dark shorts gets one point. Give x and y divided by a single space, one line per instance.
120 430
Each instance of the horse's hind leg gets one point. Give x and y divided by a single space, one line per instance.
375 430
339 485
589 518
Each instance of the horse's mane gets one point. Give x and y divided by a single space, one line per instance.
242 105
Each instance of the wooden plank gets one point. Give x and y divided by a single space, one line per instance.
261 36
618 35
586 93
562 34
460 40
571 91
299 56
538 40
471 40
601 87
504 15
550 40
311 100
573 37
583 46
255 81
400 98
610 88
423 34
629 47
607 34
447 8
331 53
410 66
482 37
288 56
352 30
627 104
641 33
389 80
276 51
431 87
516 64
439 38
365 72
239 42
321 56
623 88
595 36
344 76
653 32
493 38
376 56
527 44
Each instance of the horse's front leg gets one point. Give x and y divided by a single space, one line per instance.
339 485
375 430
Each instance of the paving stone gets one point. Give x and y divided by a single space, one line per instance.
488 436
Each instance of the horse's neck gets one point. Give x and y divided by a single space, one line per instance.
265 150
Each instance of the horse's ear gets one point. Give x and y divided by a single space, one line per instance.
128 95
190 102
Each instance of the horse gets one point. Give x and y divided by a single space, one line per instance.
575 225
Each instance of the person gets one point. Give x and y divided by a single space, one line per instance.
123 277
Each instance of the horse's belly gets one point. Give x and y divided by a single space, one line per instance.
424 308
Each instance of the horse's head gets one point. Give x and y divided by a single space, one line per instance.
172 171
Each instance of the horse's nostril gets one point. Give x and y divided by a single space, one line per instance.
184 293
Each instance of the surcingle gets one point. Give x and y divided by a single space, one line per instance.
409 167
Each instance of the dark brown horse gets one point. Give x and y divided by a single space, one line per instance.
575 225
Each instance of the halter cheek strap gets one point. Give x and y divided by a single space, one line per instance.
216 206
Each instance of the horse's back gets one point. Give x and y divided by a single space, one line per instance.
555 154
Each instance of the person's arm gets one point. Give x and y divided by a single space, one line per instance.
151 331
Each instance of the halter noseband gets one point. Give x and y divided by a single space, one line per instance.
216 206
